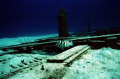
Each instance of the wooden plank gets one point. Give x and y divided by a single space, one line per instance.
101 36
66 54
118 43
8 52
82 38
25 45
97 41
69 60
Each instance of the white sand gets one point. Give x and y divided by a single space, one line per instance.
18 40
12 62
97 64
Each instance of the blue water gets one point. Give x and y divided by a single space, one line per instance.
39 17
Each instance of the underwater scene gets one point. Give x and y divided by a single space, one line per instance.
59 39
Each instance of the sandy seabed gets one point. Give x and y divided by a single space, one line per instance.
103 63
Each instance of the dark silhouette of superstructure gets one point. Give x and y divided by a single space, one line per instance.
62 23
